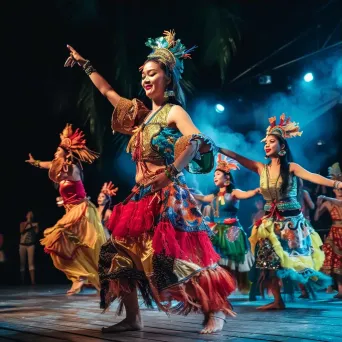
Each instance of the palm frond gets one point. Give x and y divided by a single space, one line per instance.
220 39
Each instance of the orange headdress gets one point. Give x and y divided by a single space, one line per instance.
75 143
108 189
226 164
335 172
285 129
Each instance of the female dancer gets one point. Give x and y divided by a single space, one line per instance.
229 239
104 201
332 246
28 237
287 245
75 240
160 241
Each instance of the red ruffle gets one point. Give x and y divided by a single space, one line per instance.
195 247
135 217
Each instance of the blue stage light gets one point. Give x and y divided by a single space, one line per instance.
308 77
219 108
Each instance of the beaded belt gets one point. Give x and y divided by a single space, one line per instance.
282 206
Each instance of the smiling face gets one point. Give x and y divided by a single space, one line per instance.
154 80
60 153
272 146
221 179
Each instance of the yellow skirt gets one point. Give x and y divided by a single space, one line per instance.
74 242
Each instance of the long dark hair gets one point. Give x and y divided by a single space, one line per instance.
106 206
179 98
284 164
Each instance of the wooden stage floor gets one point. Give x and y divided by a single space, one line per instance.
45 314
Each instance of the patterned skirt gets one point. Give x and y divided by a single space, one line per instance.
231 243
160 244
332 248
285 245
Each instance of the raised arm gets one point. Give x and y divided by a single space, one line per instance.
239 194
313 177
38 163
127 114
99 82
247 163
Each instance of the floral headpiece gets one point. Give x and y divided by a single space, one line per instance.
170 52
108 189
285 129
75 143
335 172
226 164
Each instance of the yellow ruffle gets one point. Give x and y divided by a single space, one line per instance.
297 263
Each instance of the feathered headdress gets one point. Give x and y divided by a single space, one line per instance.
226 164
170 52
108 189
75 143
285 129
335 172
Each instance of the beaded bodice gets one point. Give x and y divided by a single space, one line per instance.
271 191
155 139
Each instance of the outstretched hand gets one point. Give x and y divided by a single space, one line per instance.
109 189
74 58
31 160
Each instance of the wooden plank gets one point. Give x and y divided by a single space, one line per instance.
49 315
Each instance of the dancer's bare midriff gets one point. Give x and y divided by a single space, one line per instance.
146 169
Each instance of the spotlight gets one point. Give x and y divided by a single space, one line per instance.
265 79
320 142
219 108
308 77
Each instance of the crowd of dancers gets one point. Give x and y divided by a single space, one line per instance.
157 242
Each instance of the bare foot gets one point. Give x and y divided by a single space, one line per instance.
214 323
273 306
124 325
76 287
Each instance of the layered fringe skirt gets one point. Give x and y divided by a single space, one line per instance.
74 242
160 244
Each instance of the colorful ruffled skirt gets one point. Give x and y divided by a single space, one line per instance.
285 245
160 244
231 243
332 248
74 242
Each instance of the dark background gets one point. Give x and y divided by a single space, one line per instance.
41 96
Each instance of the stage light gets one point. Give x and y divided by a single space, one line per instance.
320 142
265 79
308 77
219 108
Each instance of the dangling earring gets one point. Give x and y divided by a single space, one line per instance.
281 153
168 93
226 183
